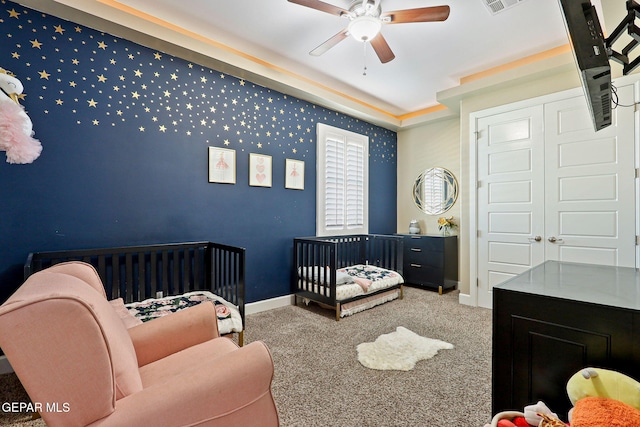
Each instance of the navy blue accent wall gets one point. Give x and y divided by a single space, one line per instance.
125 133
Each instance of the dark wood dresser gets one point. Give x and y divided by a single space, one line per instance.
555 319
430 261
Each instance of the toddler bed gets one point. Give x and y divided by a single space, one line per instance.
348 273
155 280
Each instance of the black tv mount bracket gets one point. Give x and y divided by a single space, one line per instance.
628 24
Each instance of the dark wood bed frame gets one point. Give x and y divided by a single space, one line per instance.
136 273
385 251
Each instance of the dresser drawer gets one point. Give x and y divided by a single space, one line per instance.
423 257
426 243
418 274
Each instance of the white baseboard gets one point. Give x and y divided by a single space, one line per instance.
466 299
5 366
269 304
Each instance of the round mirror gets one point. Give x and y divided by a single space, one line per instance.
435 191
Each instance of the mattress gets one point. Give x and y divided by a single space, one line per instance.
229 319
356 280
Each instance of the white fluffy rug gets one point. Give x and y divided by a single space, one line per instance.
399 350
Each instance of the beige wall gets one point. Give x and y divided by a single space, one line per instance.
446 143
421 148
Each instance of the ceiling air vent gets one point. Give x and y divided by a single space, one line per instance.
497 6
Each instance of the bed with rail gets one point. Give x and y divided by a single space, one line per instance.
155 280
348 273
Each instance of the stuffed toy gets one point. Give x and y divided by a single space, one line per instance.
604 412
507 419
533 413
596 382
16 129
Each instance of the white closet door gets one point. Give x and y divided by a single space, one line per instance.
551 188
510 196
589 191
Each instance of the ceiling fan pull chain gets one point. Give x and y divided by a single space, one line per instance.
364 72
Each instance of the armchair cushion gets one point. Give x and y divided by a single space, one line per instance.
231 388
164 336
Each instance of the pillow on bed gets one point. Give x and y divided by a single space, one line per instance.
312 273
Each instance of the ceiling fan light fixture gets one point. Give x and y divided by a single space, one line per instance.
364 28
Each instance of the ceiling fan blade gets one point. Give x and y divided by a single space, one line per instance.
382 49
321 6
330 43
421 14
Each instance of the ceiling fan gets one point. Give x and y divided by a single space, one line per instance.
365 22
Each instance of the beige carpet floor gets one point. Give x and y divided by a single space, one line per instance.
319 382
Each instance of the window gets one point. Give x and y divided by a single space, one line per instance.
343 182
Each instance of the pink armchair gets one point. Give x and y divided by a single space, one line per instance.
79 363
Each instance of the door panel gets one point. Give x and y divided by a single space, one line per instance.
589 187
509 145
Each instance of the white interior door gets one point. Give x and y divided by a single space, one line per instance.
589 190
510 196
549 187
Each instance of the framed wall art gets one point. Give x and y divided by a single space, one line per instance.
260 168
222 165
294 174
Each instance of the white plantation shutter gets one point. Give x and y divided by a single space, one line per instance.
355 185
334 192
342 182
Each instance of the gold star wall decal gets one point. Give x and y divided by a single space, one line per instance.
156 89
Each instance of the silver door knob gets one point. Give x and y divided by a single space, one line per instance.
553 239
535 239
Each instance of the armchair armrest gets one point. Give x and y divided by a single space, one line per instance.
166 335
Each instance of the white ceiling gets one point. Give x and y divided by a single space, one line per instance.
430 57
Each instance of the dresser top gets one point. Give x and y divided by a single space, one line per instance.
427 235
596 284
